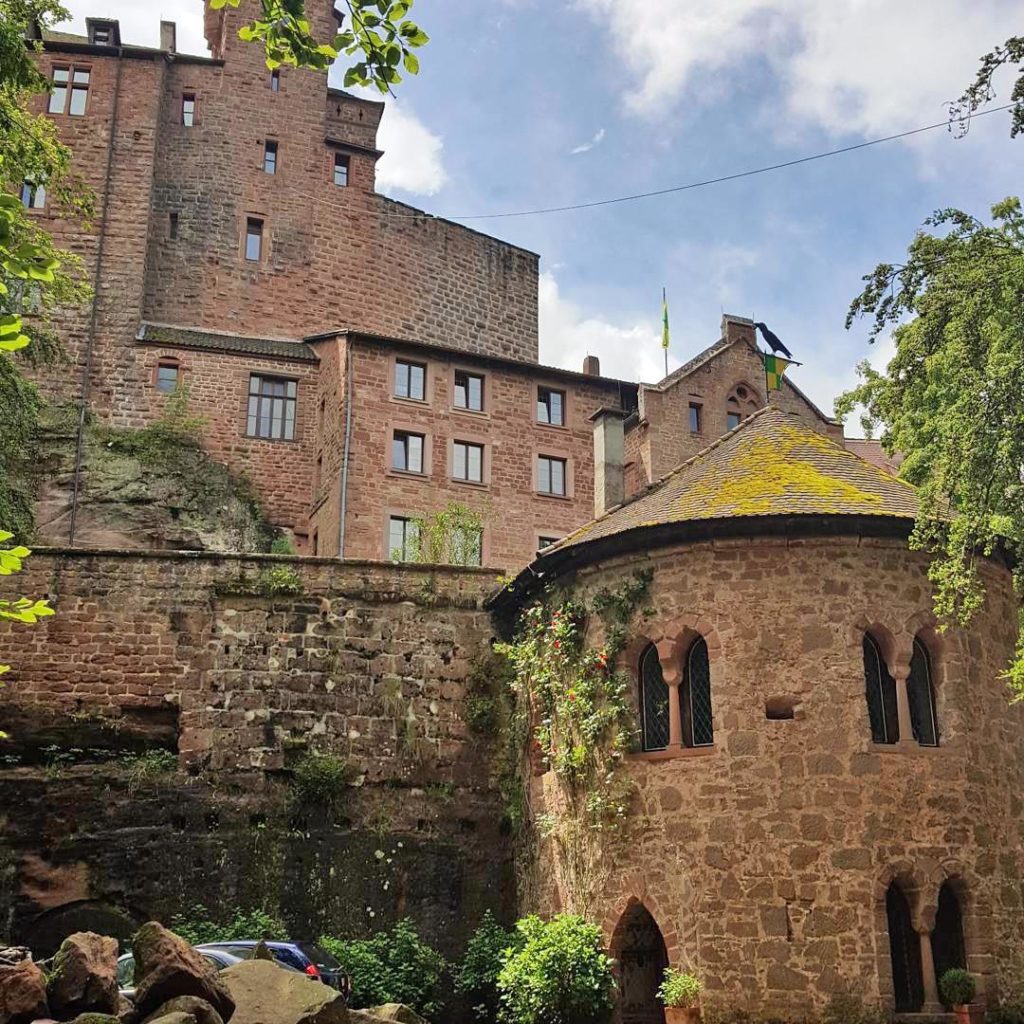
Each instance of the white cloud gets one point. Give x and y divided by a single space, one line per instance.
864 66
412 159
140 22
586 147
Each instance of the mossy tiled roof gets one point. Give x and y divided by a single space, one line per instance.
219 341
773 464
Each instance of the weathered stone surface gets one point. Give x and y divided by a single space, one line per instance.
203 1012
167 967
84 976
264 993
97 1018
22 992
178 1018
397 1012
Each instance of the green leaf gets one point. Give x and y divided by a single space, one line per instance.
412 64
13 345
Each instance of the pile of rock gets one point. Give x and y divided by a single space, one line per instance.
173 985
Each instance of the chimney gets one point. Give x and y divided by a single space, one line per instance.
592 366
609 459
736 327
168 36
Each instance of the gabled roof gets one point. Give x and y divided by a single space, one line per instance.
772 464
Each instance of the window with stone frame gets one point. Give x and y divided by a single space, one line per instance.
469 391
70 82
168 375
188 109
741 403
695 697
403 539
468 462
410 380
271 408
340 172
880 693
407 451
921 697
270 156
253 239
551 406
654 692
552 474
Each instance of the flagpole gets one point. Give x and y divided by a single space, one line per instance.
664 341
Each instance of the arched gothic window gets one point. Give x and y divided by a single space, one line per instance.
904 951
653 701
695 697
921 697
880 691
741 403
948 948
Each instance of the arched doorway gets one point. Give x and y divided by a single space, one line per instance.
905 950
948 948
639 948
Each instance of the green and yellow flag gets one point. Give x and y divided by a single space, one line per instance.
774 368
664 320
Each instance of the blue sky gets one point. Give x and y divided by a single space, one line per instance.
533 103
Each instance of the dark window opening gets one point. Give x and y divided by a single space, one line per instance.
904 952
188 109
551 406
948 948
921 698
253 239
654 721
546 542
410 380
695 697
275 80
407 452
880 691
469 391
270 157
468 462
638 946
271 408
695 424
340 169
172 225
551 475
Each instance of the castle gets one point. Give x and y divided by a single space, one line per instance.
827 785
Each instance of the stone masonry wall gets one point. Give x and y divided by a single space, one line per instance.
370 663
765 858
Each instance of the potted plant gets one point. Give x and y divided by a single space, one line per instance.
958 989
679 991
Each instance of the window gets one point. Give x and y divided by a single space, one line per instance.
59 90
466 546
33 196
318 475
904 951
79 92
75 78
948 946
340 169
546 542
403 539
275 80
270 157
101 36
880 692
172 226
253 239
271 408
551 406
654 725
188 109
316 543
469 391
410 380
921 697
166 375
468 462
742 402
732 420
695 696
694 418
407 452
550 475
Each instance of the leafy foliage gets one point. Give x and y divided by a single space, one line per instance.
394 966
957 987
981 91
150 766
379 34
321 779
846 1008
559 975
952 398
450 536
679 988
486 954
196 926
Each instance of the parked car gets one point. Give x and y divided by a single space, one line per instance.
313 961
219 958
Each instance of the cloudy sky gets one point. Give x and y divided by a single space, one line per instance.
536 103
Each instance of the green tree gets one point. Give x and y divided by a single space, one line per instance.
981 90
378 34
951 400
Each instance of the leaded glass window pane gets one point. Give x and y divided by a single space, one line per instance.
880 691
653 701
699 730
921 698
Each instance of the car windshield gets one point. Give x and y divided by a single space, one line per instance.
319 956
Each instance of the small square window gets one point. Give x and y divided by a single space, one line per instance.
33 197
340 169
551 475
403 539
253 239
695 424
551 406
468 462
270 157
410 380
469 391
188 109
407 452
275 80
166 376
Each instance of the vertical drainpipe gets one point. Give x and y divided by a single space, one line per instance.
345 451
83 400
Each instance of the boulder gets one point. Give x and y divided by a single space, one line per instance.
14 954
167 967
96 1018
175 1018
84 976
398 1012
22 993
267 994
203 1012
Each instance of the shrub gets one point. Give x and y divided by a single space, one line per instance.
679 988
486 953
394 966
560 974
850 1009
196 926
957 987
1007 1013
321 779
